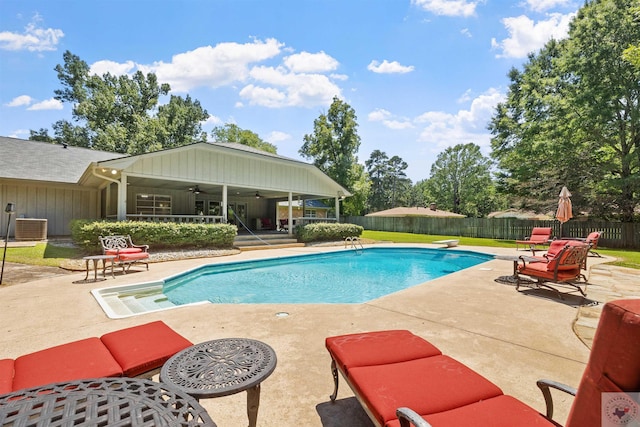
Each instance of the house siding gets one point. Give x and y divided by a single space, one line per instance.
58 204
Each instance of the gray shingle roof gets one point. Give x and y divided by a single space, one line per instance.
42 161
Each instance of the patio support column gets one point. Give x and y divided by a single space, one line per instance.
337 209
224 203
290 215
122 197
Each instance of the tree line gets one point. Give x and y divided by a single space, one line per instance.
571 117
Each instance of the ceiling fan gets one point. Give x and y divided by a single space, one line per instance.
196 190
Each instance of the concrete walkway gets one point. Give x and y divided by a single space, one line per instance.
512 338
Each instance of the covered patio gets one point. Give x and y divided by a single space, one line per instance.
229 183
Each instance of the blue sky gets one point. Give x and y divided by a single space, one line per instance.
421 75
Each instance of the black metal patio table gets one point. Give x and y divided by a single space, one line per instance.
102 401
222 367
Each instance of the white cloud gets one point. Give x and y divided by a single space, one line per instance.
542 5
298 81
466 32
526 36
305 62
277 136
444 130
20 101
20 133
388 120
378 115
387 67
33 39
212 120
448 7
277 87
115 68
49 104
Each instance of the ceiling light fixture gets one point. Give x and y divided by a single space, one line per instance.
258 195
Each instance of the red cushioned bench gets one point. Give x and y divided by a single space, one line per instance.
401 379
126 253
135 351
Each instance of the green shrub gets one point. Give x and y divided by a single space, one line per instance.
326 231
155 234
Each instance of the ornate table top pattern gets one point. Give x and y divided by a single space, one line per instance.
220 367
103 401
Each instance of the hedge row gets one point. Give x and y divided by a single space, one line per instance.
155 234
327 231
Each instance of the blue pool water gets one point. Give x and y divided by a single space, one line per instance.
336 277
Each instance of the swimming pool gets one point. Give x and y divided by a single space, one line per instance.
344 276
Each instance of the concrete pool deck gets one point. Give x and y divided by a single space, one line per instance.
512 338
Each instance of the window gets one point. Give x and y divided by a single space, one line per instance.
153 204
310 213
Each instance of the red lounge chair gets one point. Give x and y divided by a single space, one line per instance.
539 236
135 351
402 380
592 239
563 267
125 251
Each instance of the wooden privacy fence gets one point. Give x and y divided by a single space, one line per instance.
614 234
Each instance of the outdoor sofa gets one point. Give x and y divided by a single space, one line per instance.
136 351
401 379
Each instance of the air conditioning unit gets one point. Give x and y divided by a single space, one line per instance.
31 229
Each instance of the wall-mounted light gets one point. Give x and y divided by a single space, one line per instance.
341 195
258 195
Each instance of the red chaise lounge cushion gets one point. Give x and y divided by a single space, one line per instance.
500 411
87 358
447 384
145 347
377 348
6 375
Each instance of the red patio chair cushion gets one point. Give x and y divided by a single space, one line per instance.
87 358
447 384
134 256
6 375
501 411
123 251
540 269
145 347
378 348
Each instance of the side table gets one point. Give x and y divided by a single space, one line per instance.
222 367
102 401
96 260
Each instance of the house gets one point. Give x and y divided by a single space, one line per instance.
431 211
201 182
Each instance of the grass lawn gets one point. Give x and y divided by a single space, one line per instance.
42 254
624 258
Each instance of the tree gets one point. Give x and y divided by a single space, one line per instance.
572 116
333 146
390 186
121 113
334 143
233 133
460 181
377 168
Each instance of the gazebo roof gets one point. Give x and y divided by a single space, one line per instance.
416 211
